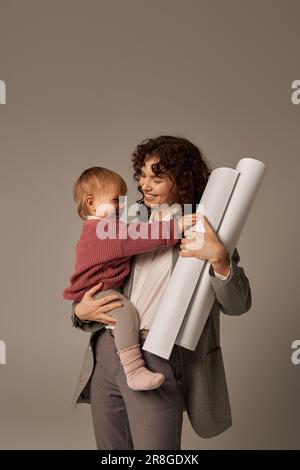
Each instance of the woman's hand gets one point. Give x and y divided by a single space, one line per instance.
206 246
97 309
186 221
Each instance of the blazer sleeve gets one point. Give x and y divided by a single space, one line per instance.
88 325
234 294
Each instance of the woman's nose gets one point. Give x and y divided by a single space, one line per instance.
146 184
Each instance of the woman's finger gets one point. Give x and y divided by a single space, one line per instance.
211 231
187 254
106 299
208 227
107 319
184 247
89 293
189 234
110 306
186 241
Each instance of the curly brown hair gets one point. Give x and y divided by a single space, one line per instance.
181 160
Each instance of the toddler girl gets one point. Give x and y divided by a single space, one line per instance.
107 259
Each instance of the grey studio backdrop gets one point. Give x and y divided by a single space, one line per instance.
86 81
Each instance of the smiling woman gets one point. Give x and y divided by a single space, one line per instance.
169 170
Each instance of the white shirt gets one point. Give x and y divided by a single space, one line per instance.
151 274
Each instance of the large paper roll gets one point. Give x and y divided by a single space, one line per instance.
176 299
188 298
251 172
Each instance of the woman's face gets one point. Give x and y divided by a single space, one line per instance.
156 189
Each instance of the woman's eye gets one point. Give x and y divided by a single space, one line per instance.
157 181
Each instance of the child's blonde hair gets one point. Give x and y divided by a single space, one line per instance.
96 181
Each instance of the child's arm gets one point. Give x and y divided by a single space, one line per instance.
140 237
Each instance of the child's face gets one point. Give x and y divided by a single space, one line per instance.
107 205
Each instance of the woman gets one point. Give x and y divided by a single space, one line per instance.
168 170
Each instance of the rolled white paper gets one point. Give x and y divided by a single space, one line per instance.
251 172
176 298
188 298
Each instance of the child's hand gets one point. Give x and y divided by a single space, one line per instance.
186 221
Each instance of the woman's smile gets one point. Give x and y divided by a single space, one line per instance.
149 197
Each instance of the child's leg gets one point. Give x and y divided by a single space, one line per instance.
126 335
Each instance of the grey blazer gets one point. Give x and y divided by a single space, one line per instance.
203 375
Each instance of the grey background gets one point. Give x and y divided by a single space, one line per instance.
88 80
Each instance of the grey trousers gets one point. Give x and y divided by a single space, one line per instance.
125 419
126 330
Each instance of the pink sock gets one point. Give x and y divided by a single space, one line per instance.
137 375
